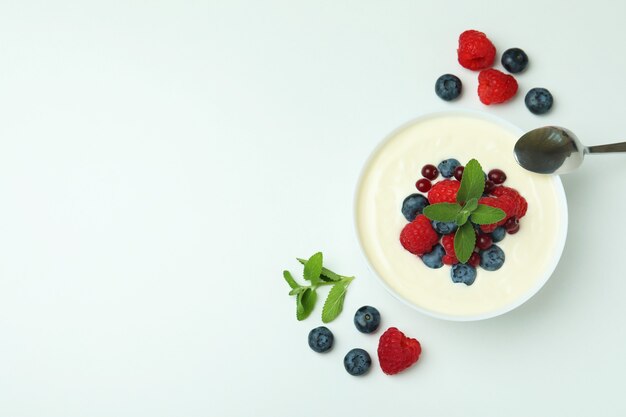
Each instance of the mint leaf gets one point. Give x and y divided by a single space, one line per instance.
305 303
471 204
298 290
327 275
289 278
334 302
472 182
462 217
485 214
442 212
313 268
464 242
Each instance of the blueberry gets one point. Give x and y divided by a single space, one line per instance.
538 100
321 339
357 362
433 259
367 319
413 205
498 234
463 273
492 259
446 168
514 60
444 228
448 87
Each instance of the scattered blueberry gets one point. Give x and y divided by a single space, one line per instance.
447 167
448 87
538 100
321 339
357 362
492 259
413 205
498 234
444 228
463 273
367 319
514 60
433 259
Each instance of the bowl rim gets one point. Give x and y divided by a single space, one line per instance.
557 249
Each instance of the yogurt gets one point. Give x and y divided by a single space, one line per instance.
390 175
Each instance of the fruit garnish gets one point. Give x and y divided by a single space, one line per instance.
448 87
538 100
306 295
396 352
367 319
466 207
357 362
419 237
495 87
475 50
514 60
321 339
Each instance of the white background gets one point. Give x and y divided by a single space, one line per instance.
162 162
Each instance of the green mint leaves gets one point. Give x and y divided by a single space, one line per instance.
466 208
306 295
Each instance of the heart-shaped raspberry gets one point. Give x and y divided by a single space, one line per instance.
396 352
495 86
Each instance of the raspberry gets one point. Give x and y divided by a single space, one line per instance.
419 237
396 352
495 86
444 192
448 244
449 260
506 203
520 202
475 50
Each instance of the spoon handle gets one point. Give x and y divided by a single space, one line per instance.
613 147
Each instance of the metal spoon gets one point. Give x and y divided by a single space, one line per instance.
556 150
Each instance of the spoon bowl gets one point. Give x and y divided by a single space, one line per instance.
555 150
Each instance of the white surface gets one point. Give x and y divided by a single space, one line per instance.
162 162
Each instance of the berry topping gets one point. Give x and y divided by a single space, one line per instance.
475 50
483 241
413 205
444 228
449 260
458 172
430 171
321 339
492 259
433 259
423 185
498 234
489 185
447 167
474 260
396 352
463 273
538 100
495 87
520 202
418 237
367 319
448 87
514 60
357 362
497 176
444 192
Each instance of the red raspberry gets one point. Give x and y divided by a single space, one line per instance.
505 203
448 244
419 237
444 192
520 202
475 51
396 352
495 86
449 260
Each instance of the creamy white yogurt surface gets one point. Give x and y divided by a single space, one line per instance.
390 176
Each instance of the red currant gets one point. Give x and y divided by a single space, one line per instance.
511 224
513 230
430 171
423 185
458 172
474 260
497 176
489 186
483 241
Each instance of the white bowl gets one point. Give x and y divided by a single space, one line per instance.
389 176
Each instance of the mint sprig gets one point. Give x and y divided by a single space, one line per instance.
306 295
466 211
